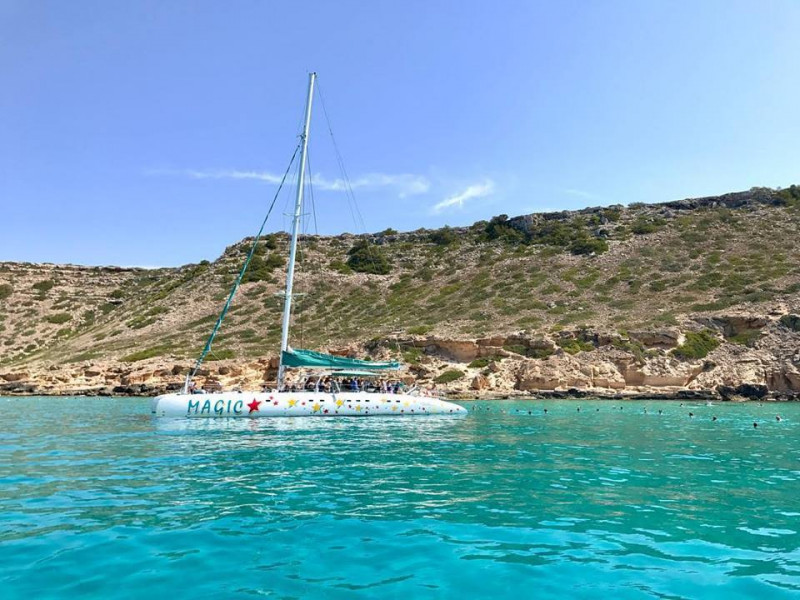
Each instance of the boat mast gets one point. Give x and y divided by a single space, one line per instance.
298 206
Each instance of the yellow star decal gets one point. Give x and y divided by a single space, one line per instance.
292 402
316 407
406 403
394 408
358 408
339 403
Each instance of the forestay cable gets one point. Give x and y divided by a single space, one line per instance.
227 305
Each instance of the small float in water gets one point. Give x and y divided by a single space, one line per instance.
325 398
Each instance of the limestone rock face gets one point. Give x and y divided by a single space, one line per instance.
662 338
479 382
458 350
556 372
12 377
661 371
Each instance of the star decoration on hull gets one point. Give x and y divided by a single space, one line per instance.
253 406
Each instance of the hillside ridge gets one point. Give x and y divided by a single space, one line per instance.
694 295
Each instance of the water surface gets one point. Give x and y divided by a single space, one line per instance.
97 499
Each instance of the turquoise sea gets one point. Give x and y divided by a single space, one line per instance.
99 500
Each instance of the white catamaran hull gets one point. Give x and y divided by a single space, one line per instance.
300 404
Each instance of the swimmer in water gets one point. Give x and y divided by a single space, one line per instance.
691 414
545 411
777 417
659 411
755 424
714 418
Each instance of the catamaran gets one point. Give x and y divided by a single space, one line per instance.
320 399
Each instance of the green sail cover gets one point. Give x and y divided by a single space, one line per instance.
317 360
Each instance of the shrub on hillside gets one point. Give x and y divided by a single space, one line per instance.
791 321
59 318
44 286
368 258
419 329
790 196
145 354
443 236
260 268
697 345
500 228
340 267
573 346
588 245
643 225
5 291
448 376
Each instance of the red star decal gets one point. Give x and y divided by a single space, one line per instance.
326 411
253 406
275 403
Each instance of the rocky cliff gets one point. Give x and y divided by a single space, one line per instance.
697 297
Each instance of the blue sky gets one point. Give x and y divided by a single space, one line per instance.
146 133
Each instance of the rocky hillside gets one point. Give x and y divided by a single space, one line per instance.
700 295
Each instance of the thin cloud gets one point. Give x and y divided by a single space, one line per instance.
476 190
406 184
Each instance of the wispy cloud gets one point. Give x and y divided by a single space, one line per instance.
406 184
476 190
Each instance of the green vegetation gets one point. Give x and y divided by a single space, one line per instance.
412 355
147 353
260 268
644 225
791 321
419 329
444 236
44 286
574 345
542 352
222 354
790 196
448 376
697 345
340 267
5 290
483 362
59 318
588 245
365 257
746 338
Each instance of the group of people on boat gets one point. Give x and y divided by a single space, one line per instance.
330 384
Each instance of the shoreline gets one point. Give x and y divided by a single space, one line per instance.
743 393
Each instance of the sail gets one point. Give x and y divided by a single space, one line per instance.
317 360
